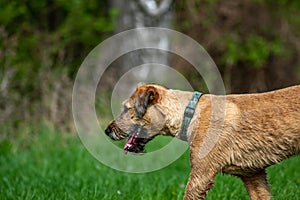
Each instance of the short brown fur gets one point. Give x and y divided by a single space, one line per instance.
239 135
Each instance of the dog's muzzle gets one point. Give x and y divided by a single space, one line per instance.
114 132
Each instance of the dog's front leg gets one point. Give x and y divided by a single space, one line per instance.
203 172
198 185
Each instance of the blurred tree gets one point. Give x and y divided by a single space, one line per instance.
139 14
143 13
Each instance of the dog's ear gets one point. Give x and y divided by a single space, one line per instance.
144 97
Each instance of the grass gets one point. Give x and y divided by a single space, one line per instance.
53 166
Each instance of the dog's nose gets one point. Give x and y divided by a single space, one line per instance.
107 131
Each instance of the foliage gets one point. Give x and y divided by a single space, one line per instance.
42 44
52 33
258 38
254 50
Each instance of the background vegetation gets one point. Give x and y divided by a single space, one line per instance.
255 44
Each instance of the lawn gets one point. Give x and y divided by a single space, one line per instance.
49 165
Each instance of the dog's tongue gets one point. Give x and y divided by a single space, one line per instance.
130 143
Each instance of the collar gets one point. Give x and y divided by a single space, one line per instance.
188 115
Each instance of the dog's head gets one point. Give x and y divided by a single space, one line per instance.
141 120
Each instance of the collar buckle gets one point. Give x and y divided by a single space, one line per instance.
189 112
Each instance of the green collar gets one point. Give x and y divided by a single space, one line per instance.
188 115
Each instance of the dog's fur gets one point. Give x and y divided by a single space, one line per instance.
248 132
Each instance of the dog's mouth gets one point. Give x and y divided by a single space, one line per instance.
136 143
131 144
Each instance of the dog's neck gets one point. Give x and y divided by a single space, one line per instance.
178 100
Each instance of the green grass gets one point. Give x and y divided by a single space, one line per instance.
48 165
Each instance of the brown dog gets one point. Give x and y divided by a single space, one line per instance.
235 134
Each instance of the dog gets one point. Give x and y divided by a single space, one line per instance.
239 135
